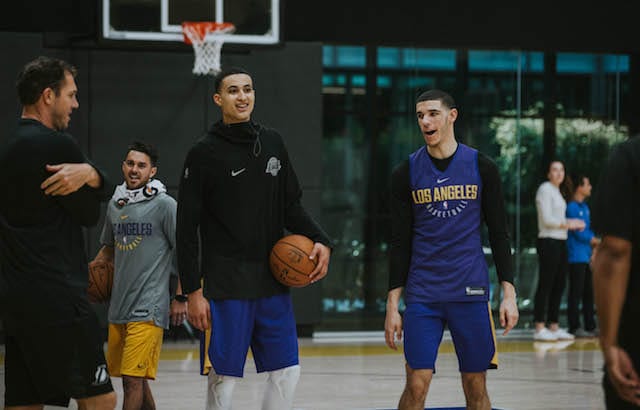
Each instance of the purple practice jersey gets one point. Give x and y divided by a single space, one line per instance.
447 262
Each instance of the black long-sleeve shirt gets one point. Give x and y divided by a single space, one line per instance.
42 250
493 210
237 194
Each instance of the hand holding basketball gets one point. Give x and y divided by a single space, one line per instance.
290 263
320 253
100 281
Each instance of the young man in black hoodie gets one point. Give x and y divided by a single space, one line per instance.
238 193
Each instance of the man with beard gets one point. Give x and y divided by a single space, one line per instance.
139 236
54 350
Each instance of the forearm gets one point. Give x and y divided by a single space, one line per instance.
400 245
298 220
610 267
508 290
401 227
501 251
188 266
188 245
393 299
399 263
93 178
189 216
495 216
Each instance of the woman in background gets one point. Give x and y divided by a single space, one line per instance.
551 245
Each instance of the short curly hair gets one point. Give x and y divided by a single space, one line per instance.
226 73
145 148
40 74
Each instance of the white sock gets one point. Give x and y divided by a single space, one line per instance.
220 391
281 386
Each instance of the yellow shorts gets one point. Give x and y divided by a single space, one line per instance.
133 349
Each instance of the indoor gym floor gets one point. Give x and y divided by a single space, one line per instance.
356 371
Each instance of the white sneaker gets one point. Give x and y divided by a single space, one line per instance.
562 334
545 335
559 345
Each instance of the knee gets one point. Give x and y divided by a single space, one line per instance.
220 391
417 390
474 386
107 401
285 380
417 387
130 383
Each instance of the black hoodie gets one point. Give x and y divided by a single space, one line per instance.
238 193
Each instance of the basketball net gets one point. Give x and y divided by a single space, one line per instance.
206 48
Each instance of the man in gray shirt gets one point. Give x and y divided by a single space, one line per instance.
139 237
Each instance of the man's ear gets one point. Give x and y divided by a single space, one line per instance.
48 95
454 114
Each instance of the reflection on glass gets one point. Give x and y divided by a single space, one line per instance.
503 96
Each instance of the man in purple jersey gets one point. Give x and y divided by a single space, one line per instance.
440 196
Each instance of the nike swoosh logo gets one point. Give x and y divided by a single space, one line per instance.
124 217
442 180
238 172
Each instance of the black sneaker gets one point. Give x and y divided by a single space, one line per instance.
581 333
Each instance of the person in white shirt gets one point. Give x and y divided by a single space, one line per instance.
552 253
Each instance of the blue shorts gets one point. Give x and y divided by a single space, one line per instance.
471 328
267 325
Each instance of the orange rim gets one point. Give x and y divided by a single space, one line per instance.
202 28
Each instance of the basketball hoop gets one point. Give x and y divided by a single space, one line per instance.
206 39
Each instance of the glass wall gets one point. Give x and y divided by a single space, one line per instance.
520 108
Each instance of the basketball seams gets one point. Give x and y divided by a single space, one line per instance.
100 282
288 255
289 266
314 261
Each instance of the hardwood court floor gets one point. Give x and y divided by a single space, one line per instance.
356 371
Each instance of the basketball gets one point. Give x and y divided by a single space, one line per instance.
100 281
289 260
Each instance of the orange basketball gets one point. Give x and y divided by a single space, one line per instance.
289 260
100 281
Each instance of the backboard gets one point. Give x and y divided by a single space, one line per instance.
256 21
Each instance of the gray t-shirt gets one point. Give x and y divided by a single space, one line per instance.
143 235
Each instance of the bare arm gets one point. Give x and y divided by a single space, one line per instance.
509 314
178 310
611 263
393 320
198 310
68 178
323 253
